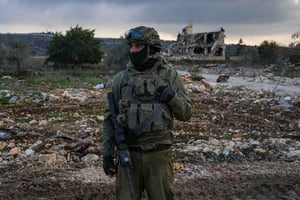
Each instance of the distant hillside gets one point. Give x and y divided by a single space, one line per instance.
38 42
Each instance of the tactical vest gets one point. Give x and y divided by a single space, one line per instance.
139 98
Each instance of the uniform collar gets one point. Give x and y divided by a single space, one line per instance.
132 70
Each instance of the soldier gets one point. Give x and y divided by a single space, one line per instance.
149 94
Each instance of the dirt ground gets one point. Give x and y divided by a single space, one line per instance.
258 180
259 176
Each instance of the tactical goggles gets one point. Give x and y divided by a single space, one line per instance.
134 34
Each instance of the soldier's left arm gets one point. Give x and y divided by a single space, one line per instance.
180 104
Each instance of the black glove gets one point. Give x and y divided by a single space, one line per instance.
166 94
109 166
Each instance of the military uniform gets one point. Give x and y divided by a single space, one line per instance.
137 94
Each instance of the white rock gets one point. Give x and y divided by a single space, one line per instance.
29 152
32 122
90 158
292 154
43 122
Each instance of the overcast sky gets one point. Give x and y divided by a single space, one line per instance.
252 20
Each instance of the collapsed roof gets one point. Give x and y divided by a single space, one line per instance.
198 46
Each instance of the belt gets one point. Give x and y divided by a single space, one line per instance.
149 148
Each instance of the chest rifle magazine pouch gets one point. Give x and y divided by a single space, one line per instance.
144 111
133 116
163 120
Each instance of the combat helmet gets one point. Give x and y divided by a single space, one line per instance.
143 35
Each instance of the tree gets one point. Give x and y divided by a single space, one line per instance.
248 54
117 54
241 42
293 52
296 40
14 51
241 47
2 52
75 48
268 51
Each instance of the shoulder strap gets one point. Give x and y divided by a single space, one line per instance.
129 83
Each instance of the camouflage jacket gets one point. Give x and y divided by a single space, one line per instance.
179 107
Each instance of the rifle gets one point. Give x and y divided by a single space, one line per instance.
123 152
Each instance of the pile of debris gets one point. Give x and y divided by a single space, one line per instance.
197 46
55 139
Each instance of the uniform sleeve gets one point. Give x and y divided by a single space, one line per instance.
107 137
181 104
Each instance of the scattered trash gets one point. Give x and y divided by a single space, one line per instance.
207 84
6 134
104 96
225 152
100 86
6 77
5 93
222 78
287 101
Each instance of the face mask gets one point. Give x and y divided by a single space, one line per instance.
139 58
142 59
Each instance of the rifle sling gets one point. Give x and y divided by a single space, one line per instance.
149 119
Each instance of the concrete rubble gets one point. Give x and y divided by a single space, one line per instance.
197 46
80 142
50 140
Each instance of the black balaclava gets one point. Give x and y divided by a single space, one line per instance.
144 59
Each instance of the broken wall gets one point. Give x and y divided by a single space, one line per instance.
202 46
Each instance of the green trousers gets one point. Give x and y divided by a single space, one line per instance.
152 172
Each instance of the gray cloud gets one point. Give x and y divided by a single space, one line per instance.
245 18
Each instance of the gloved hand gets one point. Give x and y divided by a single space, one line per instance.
109 166
166 94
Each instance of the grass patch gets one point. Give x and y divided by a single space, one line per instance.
52 80
67 78
90 111
32 85
3 87
4 100
62 115
293 72
225 117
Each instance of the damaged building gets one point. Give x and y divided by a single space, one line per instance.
198 46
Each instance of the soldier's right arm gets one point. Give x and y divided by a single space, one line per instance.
107 137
